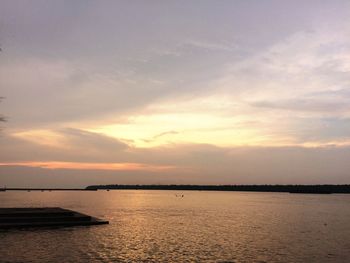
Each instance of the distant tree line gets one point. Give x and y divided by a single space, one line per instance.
316 189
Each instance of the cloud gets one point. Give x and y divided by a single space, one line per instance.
230 93
90 166
165 133
297 66
72 92
67 145
160 135
197 164
209 46
306 105
92 66
330 131
96 98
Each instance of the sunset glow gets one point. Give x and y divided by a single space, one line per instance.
237 91
174 131
91 166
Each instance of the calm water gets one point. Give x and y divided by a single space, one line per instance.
199 227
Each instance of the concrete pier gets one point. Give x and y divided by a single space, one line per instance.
44 217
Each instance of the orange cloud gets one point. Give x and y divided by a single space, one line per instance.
91 166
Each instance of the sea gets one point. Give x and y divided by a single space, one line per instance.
184 226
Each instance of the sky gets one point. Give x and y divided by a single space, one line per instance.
174 92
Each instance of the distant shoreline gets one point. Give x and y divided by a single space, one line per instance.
295 189
310 189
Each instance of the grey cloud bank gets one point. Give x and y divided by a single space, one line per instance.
88 59
193 164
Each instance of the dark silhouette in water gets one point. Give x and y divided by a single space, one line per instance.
44 189
44 217
312 189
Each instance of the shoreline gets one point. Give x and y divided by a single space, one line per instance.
295 189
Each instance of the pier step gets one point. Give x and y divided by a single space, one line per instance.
44 219
36 217
34 214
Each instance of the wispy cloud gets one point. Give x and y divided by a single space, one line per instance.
92 166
